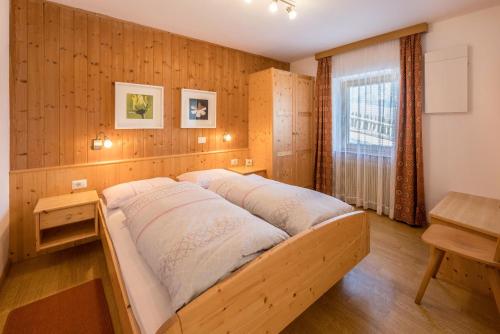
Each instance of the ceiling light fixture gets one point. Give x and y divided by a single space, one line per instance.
273 6
290 7
292 13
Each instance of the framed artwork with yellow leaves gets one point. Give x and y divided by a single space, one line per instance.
198 109
138 106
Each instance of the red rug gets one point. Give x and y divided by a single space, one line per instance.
82 309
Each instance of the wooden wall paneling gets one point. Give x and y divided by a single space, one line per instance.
231 125
226 97
35 80
218 75
19 85
158 144
192 83
128 136
211 66
183 83
176 94
106 117
167 93
34 185
140 78
67 89
93 85
82 139
201 83
117 75
15 216
149 135
63 64
51 91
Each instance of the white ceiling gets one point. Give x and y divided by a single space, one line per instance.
320 24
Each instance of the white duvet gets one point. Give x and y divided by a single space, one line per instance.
192 237
293 209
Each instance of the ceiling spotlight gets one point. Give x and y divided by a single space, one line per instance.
292 13
273 6
248 1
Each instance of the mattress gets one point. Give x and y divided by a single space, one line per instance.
149 299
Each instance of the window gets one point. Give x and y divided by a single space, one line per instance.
369 108
365 101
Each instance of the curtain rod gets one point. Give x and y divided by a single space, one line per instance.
418 28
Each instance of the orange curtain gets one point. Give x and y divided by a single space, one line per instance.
323 169
409 206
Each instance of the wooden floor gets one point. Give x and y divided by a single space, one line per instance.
376 297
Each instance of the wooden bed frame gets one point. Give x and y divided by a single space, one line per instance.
268 293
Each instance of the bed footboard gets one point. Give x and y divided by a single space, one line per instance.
274 289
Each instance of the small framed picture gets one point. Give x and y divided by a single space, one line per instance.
198 109
138 106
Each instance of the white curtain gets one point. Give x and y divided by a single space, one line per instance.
365 109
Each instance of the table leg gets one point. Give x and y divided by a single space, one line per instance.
434 262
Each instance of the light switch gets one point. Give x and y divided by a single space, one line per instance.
202 140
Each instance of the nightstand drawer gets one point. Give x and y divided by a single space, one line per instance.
66 216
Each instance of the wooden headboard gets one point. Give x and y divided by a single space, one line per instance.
26 186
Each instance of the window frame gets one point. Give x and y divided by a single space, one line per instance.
363 80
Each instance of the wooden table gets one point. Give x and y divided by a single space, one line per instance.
66 220
475 214
244 170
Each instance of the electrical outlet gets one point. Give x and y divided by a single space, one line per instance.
202 140
234 162
78 184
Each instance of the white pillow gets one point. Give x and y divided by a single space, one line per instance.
117 195
204 177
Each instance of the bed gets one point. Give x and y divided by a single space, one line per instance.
264 295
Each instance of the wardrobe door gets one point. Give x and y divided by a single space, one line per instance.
303 130
284 160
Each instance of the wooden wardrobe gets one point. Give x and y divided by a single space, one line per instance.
280 125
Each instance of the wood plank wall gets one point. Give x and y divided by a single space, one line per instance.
64 62
27 186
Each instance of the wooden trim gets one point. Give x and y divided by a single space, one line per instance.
271 291
127 318
418 28
114 162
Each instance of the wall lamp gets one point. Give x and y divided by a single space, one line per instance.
227 137
100 141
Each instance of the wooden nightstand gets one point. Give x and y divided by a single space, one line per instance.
249 170
66 220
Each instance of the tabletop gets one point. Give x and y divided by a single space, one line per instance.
477 213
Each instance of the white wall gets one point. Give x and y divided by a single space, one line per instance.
307 66
462 151
4 132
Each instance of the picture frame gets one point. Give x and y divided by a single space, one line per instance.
198 109
138 106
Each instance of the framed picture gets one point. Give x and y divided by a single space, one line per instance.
198 109
138 106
